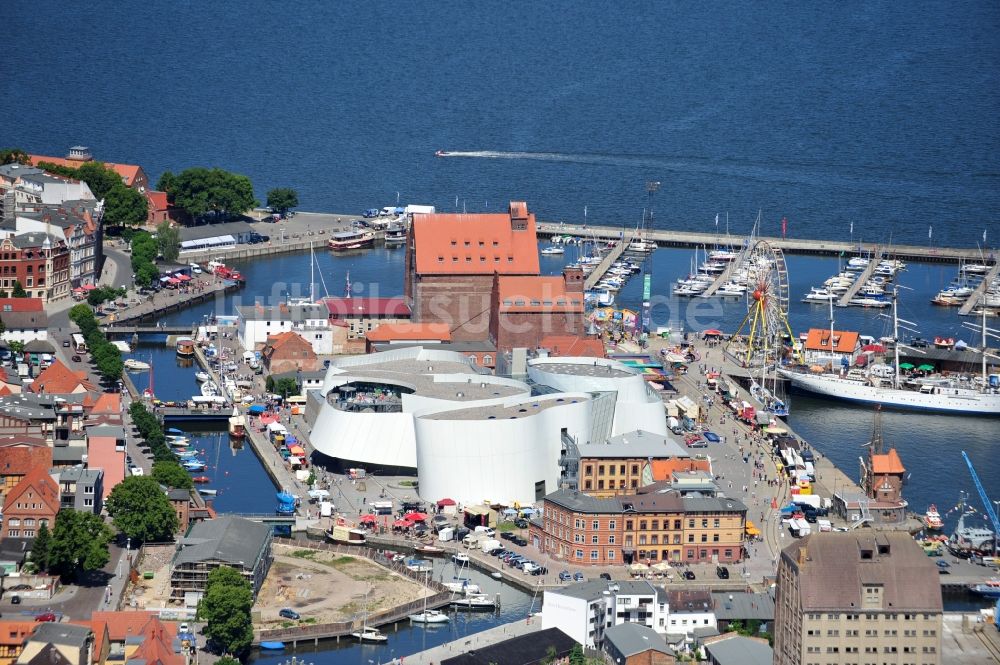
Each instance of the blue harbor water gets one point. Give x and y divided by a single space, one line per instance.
884 114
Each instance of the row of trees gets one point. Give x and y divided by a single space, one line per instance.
166 470
77 543
123 206
102 294
105 355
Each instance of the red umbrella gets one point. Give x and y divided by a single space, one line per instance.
415 516
877 348
446 502
402 523
712 333
368 519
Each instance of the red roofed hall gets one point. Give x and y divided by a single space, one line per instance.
21 305
527 309
820 344
572 346
132 175
29 504
19 454
58 379
289 352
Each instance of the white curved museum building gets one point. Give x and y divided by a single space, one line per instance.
471 436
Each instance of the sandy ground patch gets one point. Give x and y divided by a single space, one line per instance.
326 587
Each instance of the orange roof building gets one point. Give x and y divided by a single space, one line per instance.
134 636
12 637
132 175
819 342
58 379
288 352
888 463
29 504
527 309
537 294
19 454
572 346
410 332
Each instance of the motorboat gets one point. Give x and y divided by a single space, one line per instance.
178 443
944 342
461 558
819 295
430 616
475 602
369 635
237 425
932 518
134 365
395 235
419 565
442 153
463 586
975 268
553 250
870 301
989 588
429 550
209 389
185 347
346 240
271 645
731 290
346 535
202 377
194 465
207 492
201 479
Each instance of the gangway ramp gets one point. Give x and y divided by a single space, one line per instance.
862 279
977 295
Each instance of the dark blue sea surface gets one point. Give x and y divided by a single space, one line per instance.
884 114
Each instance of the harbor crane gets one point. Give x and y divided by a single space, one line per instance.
986 499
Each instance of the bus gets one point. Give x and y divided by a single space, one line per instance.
79 346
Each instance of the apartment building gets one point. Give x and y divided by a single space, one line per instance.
622 464
585 610
656 526
854 598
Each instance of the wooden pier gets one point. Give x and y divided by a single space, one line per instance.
606 263
692 239
977 295
861 280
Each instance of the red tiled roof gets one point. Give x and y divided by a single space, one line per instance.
44 487
58 379
572 346
157 200
13 633
343 308
157 635
399 332
20 305
128 172
107 403
819 340
285 338
479 244
887 463
537 294
20 454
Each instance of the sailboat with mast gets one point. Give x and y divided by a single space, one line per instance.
980 395
429 616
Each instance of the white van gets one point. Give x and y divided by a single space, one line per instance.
485 531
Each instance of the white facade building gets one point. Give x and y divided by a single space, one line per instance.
585 610
472 436
255 323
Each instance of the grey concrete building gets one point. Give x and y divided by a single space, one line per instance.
226 541
857 597
81 489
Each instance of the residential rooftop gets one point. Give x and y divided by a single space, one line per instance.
638 444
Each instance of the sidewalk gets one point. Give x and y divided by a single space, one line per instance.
472 642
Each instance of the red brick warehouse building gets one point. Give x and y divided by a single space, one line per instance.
479 274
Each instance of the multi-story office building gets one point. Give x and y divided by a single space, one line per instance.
857 597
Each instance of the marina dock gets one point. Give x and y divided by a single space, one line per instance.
725 275
977 294
602 268
861 279
693 239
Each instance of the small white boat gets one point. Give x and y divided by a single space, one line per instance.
553 250
209 389
369 635
480 602
460 558
419 565
202 377
134 365
179 442
207 492
430 616
463 586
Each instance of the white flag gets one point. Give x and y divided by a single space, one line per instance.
930 232
717 221
584 211
852 227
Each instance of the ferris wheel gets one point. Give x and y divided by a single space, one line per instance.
759 339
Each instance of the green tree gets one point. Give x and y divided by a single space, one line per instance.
12 155
80 312
168 240
227 660
282 199
18 291
40 548
576 655
225 608
141 510
283 386
98 177
79 543
125 207
171 474
16 347
166 183
199 191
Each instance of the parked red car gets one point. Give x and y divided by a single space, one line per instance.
46 616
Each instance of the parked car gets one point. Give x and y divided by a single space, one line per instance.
606 576
688 574
15 600
564 576
289 613
540 570
722 572
184 628
941 563
507 535
45 616
521 523
65 343
520 541
76 359
578 577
